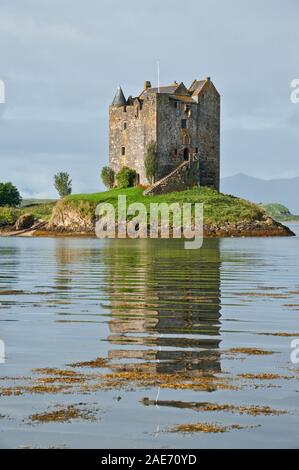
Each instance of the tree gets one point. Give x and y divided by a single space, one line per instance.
9 195
63 184
126 177
108 176
150 162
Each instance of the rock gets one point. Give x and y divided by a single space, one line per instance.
73 217
25 221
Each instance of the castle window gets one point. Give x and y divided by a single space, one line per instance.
123 150
186 140
175 152
125 125
184 123
175 104
186 154
125 109
196 150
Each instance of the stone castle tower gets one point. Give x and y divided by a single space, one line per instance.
183 122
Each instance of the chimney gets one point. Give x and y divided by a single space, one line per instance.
147 85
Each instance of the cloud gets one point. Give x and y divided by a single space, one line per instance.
28 28
62 61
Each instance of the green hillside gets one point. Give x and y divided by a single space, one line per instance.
280 212
218 207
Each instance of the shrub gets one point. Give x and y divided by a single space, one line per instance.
8 216
9 195
108 177
150 162
63 184
126 177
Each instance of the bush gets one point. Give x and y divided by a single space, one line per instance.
8 216
9 195
63 184
126 177
108 177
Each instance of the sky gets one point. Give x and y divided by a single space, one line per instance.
62 60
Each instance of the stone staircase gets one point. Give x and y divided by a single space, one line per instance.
185 176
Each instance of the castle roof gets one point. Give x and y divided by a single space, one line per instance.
178 90
119 98
168 90
196 86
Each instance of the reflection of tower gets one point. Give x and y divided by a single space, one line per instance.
165 305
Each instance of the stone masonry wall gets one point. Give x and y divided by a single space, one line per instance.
208 135
140 120
202 133
171 138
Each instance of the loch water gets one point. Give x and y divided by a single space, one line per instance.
143 344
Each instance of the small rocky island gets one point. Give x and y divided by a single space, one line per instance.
224 215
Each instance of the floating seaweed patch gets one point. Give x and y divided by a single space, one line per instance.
265 376
63 414
58 372
10 391
98 362
204 428
249 351
282 334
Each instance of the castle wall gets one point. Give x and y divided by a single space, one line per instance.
140 131
202 134
208 135
170 135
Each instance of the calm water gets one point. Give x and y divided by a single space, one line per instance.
163 322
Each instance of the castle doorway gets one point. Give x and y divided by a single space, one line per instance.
186 154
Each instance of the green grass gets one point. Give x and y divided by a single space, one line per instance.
9 215
280 212
40 211
218 207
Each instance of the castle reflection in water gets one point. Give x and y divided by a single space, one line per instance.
164 306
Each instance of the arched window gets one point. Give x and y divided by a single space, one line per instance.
186 140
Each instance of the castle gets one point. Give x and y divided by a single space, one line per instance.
184 124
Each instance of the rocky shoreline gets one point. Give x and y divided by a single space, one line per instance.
266 227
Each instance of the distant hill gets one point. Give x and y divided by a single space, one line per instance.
34 202
284 191
280 213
